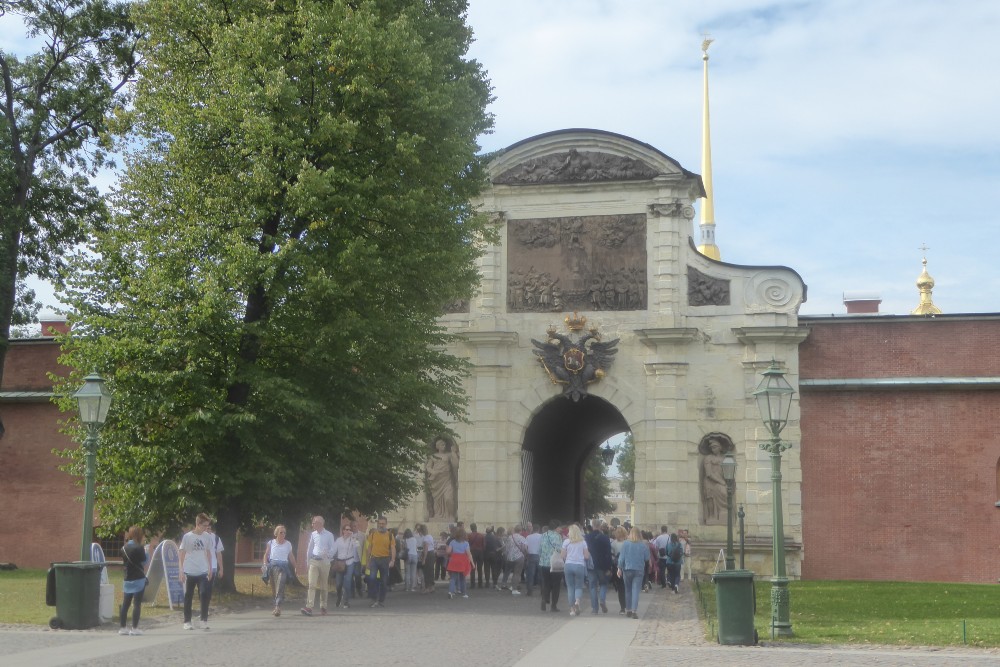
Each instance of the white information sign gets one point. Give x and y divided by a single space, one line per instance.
165 565
97 556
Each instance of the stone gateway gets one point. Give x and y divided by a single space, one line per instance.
596 228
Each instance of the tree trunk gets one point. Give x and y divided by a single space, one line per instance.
227 524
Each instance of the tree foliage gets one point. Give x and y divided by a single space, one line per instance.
54 111
626 465
264 299
596 487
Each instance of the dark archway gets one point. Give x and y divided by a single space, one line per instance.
556 443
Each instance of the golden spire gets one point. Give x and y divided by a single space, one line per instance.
707 246
926 285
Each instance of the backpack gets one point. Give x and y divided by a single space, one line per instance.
676 552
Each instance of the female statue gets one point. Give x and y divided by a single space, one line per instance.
442 480
714 500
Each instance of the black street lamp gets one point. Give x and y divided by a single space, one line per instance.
729 474
608 455
774 400
94 401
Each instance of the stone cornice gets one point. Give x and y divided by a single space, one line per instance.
751 335
494 338
667 336
900 383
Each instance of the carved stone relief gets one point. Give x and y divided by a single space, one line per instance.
704 290
576 166
457 306
595 262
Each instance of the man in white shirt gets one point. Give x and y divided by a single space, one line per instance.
534 541
215 551
319 553
196 569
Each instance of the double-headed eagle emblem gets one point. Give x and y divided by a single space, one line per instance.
575 364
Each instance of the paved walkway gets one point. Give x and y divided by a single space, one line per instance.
490 629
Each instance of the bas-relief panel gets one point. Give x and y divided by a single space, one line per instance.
595 262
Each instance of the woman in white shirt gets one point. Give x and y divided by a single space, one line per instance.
575 554
277 563
411 560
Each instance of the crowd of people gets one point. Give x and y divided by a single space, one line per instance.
587 560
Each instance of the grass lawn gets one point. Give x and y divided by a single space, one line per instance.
22 595
879 612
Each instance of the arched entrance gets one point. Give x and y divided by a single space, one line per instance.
556 444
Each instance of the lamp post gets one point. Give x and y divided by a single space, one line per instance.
729 474
741 514
94 400
774 400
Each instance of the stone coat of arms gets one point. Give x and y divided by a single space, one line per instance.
575 363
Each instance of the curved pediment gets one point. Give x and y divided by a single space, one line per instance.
583 156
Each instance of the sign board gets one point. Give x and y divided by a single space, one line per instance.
97 556
166 564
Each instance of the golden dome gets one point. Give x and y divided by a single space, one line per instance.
925 284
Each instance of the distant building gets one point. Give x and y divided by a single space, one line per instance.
621 501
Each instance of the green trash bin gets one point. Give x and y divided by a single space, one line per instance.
736 603
78 595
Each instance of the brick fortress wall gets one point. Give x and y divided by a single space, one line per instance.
900 483
43 505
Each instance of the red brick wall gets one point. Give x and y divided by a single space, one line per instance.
901 484
43 506
877 347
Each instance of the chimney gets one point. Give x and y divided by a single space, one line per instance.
862 303
53 325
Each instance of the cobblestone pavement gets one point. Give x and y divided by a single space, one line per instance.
490 629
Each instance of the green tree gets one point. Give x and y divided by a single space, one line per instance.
596 487
626 465
54 111
265 298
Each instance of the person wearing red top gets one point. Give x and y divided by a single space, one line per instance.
477 547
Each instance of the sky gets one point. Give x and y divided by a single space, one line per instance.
846 134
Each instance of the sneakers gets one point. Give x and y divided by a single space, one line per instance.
451 596
466 596
572 611
515 592
345 606
604 608
376 604
276 612
322 611
135 632
188 626
203 625
306 611
124 631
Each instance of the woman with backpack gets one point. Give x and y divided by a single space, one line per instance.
675 556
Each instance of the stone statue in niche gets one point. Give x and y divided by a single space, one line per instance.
714 499
441 482
704 290
577 263
576 166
